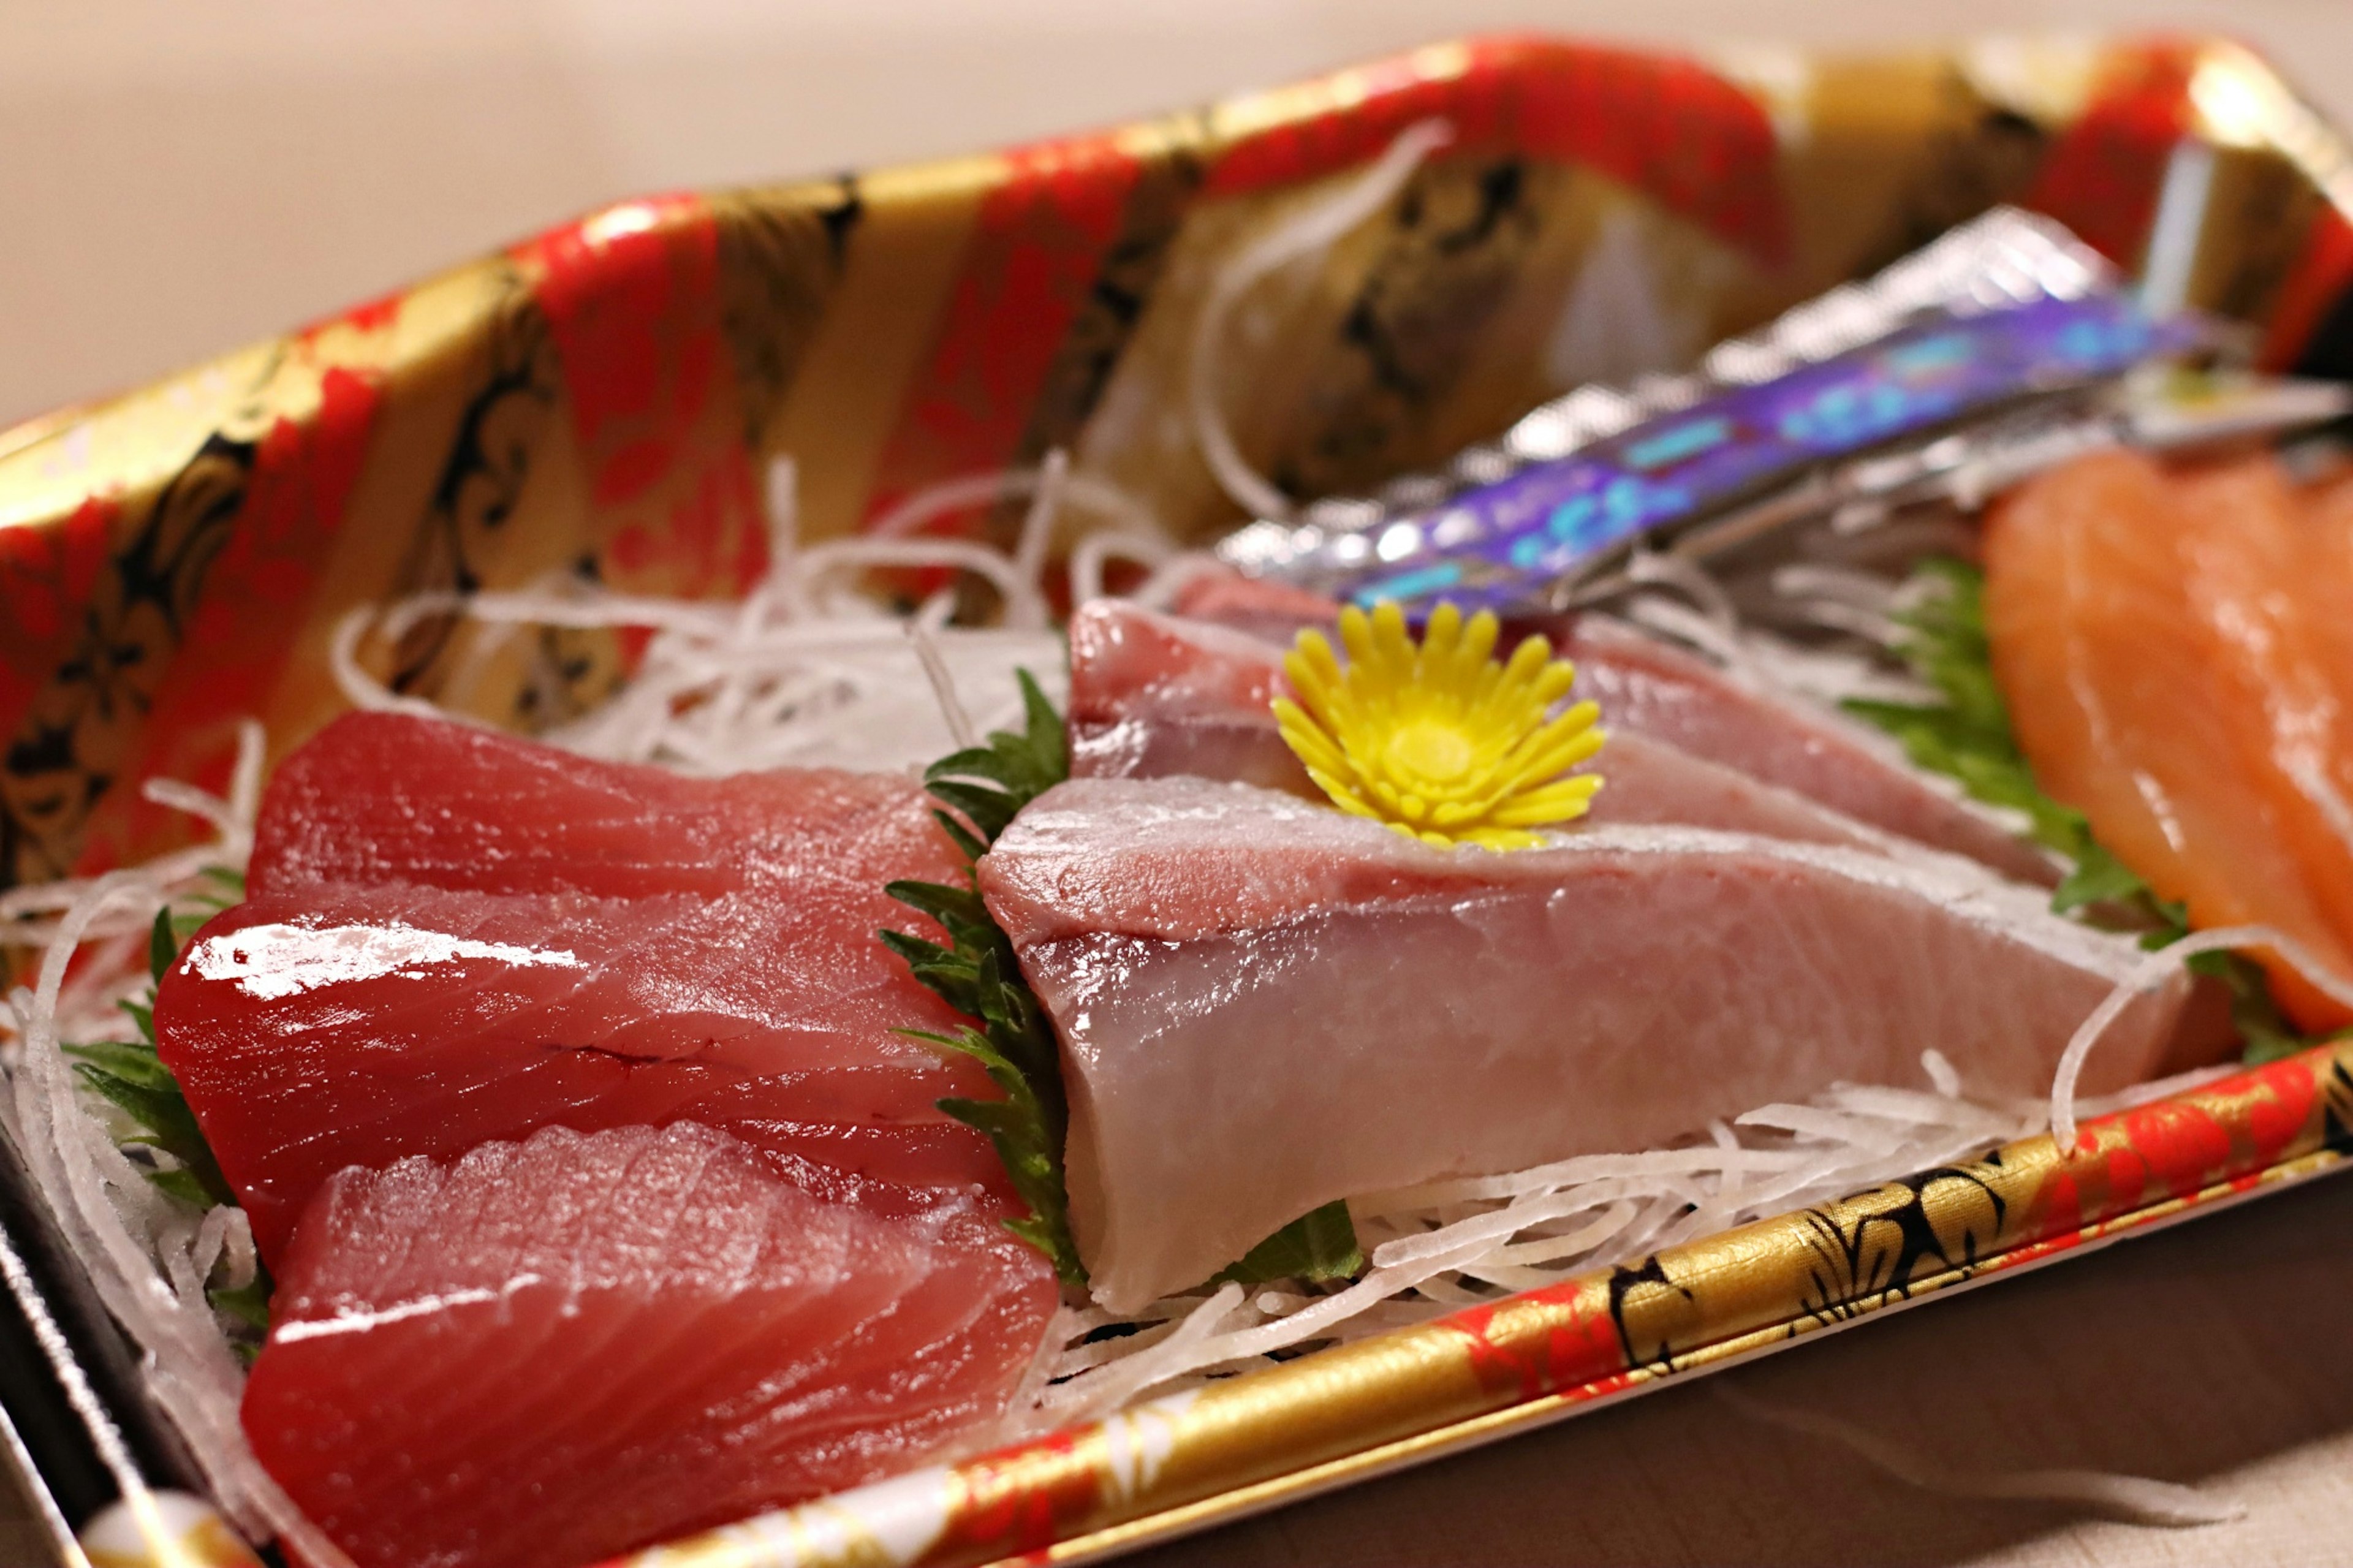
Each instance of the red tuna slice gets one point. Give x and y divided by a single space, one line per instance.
551 1352
1644 685
1155 696
386 798
1264 1005
329 1025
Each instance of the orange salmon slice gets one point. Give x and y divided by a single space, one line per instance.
2163 639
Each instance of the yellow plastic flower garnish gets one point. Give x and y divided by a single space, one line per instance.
1442 741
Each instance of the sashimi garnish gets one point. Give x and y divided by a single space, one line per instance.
979 976
1439 739
986 785
1967 736
130 1076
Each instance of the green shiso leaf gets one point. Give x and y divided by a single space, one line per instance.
989 784
140 1013
162 947
2099 878
183 1185
977 974
131 1076
1317 1246
247 1304
1966 734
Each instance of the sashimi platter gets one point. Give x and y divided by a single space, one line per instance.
1035 1023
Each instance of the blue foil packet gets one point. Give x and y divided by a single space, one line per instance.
1509 545
2005 334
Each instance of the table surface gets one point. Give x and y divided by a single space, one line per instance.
2209 1355
190 175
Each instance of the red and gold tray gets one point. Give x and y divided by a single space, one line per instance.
604 399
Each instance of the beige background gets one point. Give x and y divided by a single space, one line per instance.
181 175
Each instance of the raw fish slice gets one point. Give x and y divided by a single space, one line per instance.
2267 579
1273 611
386 798
547 1354
2131 709
1264 1005
1644 685
2331 512
1647 780
1153 696
328 1026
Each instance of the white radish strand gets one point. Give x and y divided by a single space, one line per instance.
148 1256
1037 522
806 669
2154 971
1312 230
1084 492
1821 677
1093 554
1448 1245
943 691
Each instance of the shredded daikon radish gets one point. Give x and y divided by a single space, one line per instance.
1845 599
1091 554
1128 516
149 1256
1312 230
805 671
1037 522
1755 659
943 681
1664 568
1466 1241
2154 970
